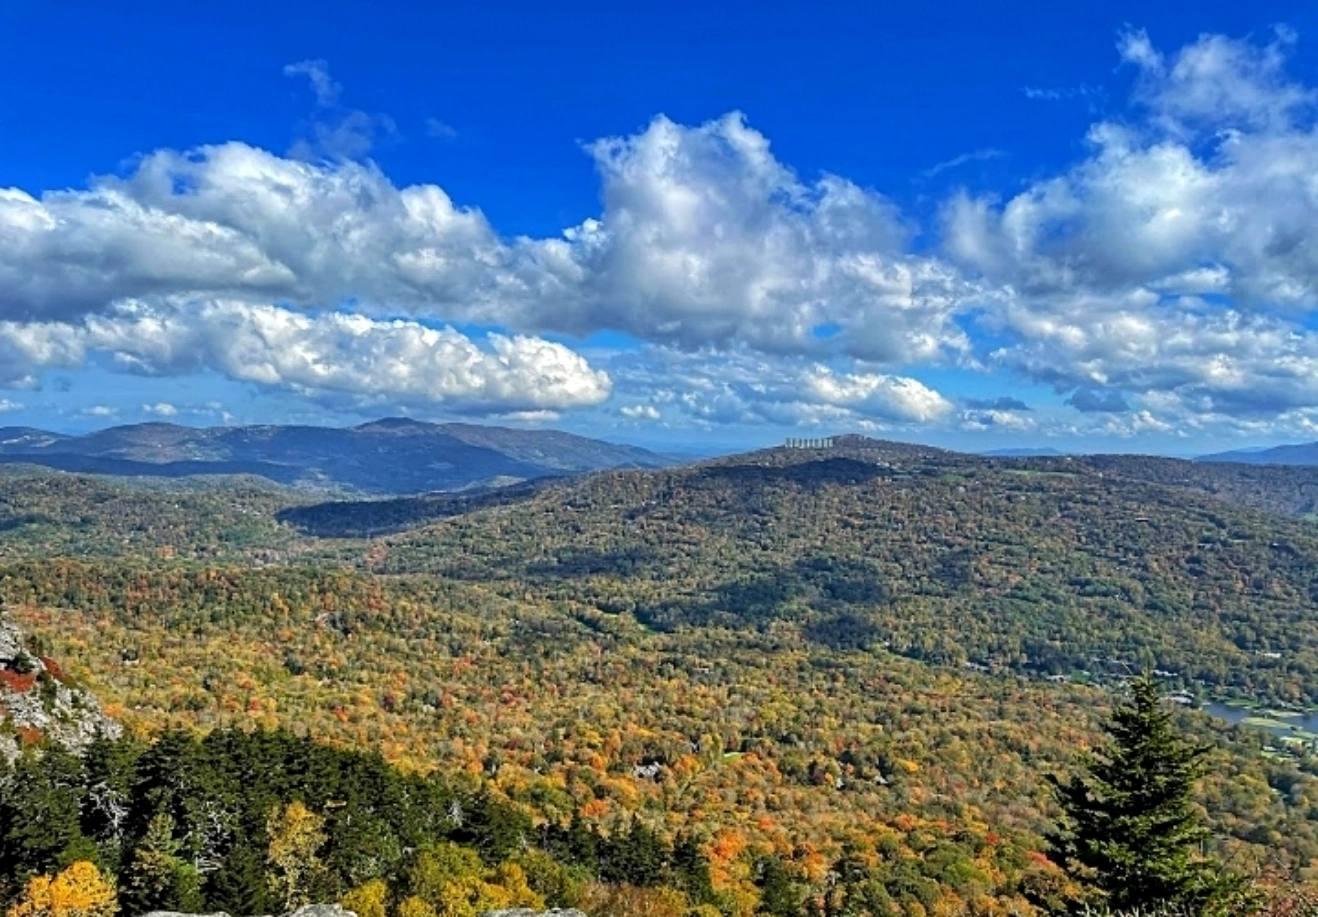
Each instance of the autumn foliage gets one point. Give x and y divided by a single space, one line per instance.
78 891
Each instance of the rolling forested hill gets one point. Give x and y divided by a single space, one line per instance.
1287 491
46 513
1049 566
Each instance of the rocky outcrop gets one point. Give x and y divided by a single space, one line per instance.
322 910
307 910
37 703
334 910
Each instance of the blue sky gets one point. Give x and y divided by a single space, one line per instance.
1085 228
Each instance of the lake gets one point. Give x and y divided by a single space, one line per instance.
1280 723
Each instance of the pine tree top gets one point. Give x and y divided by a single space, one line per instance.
1132 833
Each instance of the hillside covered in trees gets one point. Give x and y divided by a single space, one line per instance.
1043 566
801 665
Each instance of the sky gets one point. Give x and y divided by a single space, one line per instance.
692 226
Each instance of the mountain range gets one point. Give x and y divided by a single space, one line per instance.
388 456
1293 454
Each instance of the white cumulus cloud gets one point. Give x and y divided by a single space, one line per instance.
876 395
1178 257
335 352
705 238
639 412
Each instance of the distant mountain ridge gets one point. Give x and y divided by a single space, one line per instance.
1293 454
1023 452
387 456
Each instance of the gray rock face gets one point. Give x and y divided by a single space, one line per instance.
308 910
321 910
11 642
34 700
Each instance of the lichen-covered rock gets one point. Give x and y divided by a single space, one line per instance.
36 703
527 912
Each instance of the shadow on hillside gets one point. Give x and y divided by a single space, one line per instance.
826 593
583 562
13 523
370 518
837 470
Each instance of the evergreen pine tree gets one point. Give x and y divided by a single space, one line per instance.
40 828
1131 833
577 843
780 893
240 886
690 870
156 877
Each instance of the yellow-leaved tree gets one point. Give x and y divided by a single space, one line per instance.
415 906
78 891
451 881
296 836
370 899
